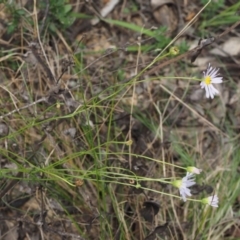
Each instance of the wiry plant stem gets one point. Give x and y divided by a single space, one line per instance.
24 107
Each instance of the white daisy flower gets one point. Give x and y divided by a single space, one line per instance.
184 185
210 77
194 170
211 201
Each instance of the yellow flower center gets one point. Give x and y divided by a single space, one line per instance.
208 80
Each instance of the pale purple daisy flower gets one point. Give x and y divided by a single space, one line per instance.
211 201
194 170
184 184
210 77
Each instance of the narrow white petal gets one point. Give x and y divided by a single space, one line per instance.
189 184
213 201
217 80
187 192
190 175
207 91
213 89
184 192
202 84
211 93
214 72
214 205
183 196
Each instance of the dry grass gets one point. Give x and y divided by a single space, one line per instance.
87 147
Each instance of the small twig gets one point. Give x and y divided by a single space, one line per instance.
114 120
20 174
113 50
65 234
229 29
11 184
64 70
200 117
191 52
44 18
24 107
33 47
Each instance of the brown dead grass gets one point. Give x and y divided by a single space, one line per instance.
167 122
